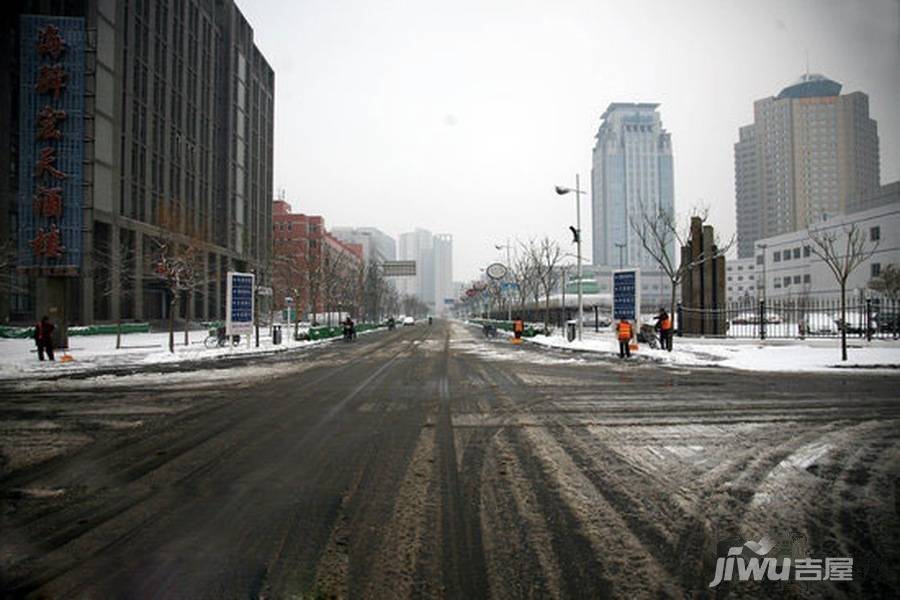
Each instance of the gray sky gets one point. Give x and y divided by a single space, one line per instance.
461 116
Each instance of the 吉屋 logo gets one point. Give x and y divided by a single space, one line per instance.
762 567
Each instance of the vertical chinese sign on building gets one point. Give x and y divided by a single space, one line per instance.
51 144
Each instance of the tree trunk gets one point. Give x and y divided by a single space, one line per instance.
843 320
672 306
547 312
118 333
172 305
187 318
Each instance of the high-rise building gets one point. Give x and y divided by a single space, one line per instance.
444 293
810 153
418 245
377 245
631 176
125 121
433 283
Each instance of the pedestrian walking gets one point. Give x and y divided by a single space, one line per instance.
43 338
625 333
664 326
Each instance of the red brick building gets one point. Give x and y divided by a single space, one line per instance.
320 272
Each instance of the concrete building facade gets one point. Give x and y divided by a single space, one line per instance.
631 175
178 120
786 265
433 283
810 153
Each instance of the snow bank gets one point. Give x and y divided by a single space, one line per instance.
18 357
750 355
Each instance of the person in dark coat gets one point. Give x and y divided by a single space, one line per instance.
664 326
43 337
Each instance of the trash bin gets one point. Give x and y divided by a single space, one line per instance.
276 335
570 330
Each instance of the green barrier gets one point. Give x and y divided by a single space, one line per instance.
28 332
530 330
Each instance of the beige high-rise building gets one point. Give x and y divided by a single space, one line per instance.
810 152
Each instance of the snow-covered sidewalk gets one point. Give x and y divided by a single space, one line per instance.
816 355
18 357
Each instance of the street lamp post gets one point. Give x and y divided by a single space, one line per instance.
561 191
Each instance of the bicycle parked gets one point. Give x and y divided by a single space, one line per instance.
219 339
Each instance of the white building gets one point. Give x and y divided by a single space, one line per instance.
377 246
631 175
444 293
740 278
789 268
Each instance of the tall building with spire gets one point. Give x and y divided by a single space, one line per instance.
631 175
809 153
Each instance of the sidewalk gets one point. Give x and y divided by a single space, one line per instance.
97 354
814 355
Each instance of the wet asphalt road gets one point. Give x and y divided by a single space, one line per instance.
427 462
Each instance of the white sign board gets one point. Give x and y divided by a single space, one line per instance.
239 304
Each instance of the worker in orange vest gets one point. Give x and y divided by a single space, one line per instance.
625 333
518 327
664 326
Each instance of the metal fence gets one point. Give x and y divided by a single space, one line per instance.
798 318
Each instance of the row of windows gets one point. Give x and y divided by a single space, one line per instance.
786 281
780 255
310 227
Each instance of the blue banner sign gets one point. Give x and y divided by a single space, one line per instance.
626 294
51 144
239 303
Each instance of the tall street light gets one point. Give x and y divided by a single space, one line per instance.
508 270
577 232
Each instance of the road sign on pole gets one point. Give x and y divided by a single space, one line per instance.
239 304
627 295
399 268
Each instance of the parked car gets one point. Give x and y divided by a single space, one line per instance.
752 318
408 321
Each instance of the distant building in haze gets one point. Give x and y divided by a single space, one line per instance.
433 283
377 246
810 153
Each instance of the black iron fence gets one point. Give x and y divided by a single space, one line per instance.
798 318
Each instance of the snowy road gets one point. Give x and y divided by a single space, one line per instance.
426 462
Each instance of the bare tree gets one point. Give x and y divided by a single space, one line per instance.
179 262
546 256
842 258
523 275
116 276
662 238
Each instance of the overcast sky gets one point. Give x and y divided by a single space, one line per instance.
460 116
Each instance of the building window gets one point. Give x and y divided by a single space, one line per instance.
759 259
874 234
740 268
876 269
796 279
787 281
777 285
806 251
806 278
796 253
776 256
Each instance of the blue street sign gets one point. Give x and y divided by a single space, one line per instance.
626 294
